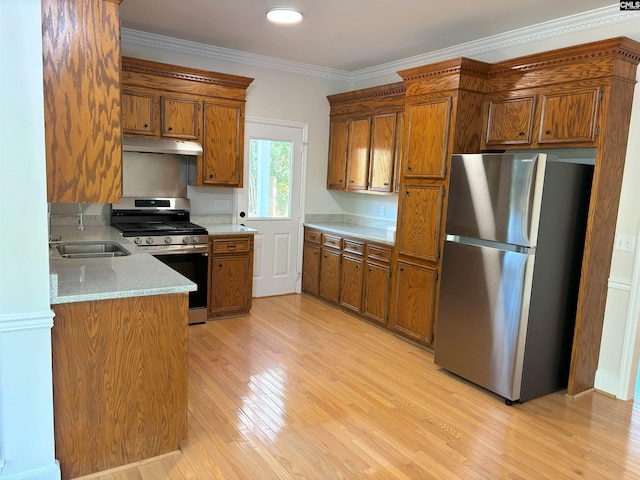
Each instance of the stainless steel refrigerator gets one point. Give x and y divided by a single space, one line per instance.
515 231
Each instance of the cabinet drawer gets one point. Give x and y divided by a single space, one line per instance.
231 245
353 247
331 241
375 252
312 236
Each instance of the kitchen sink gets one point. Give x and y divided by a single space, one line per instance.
91 250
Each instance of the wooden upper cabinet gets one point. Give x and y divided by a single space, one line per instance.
358 156
383 148
138 112
569 117
428 125
509 120
81 73
420 221
337 165
223 143
179 117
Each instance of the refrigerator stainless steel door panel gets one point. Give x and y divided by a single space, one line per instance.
483 311
496 197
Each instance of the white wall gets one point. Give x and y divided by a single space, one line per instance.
26 406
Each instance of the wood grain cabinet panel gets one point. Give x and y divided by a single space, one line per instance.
358 156
351 279
230 275
119 381
383 148
337 163
223 143
81 73
138 112
421 208
311 269
569 117
415 288
509 121
179 117
330 274
377 279
426 145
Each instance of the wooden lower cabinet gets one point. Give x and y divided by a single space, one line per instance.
330 274
351 280
119 380
230 275
348 272
311 269
375 302
415 294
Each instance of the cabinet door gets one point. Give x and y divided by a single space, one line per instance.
223 138
414 302
351 283
427 138
330 274
383 146
420 221
509 121
569 117
179 117
311 269
376 292
337 166
358 157
83 125
138 113
230 276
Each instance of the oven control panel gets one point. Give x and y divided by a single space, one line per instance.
171 239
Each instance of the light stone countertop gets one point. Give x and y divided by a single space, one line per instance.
227 229
379 235
86 279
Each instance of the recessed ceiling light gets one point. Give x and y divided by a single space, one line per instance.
284 15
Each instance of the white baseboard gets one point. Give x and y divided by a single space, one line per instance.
51 472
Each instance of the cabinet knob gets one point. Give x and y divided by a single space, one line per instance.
211 175
350 181
146 125
340 181
170 128
521 133
219 265
548 132
386 184
409 167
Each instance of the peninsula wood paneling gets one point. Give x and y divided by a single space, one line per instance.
119 381
81 73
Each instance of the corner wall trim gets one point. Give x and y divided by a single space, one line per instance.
26 321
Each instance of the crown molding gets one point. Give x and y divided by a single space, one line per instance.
572 24
600 17
136 37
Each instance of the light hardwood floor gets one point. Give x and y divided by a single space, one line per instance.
300 390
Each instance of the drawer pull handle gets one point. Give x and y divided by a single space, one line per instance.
231 247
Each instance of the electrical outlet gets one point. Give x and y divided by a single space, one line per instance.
222 205
625 242
382 210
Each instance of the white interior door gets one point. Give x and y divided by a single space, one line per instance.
271 202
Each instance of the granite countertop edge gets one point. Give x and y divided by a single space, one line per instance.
372 234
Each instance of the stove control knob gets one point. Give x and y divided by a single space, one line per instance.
167 239
185 239
149 240
137 241
196 239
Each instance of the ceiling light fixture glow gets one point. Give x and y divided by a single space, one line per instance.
284 15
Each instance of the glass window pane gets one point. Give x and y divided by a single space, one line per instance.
269 178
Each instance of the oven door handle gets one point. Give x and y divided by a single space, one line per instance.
176 251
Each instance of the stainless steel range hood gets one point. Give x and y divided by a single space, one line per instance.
157 145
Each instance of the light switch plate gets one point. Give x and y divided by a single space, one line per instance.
624 242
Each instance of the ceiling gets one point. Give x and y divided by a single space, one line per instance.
347 35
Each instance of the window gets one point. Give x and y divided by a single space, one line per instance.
269 188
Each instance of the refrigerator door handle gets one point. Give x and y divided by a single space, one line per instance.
507 247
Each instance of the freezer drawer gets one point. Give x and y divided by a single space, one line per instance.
483 311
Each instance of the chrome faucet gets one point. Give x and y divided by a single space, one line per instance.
80 217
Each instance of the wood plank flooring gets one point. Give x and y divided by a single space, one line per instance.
300 390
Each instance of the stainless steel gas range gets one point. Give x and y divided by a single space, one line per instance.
162 227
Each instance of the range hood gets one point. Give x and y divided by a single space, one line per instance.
157 145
